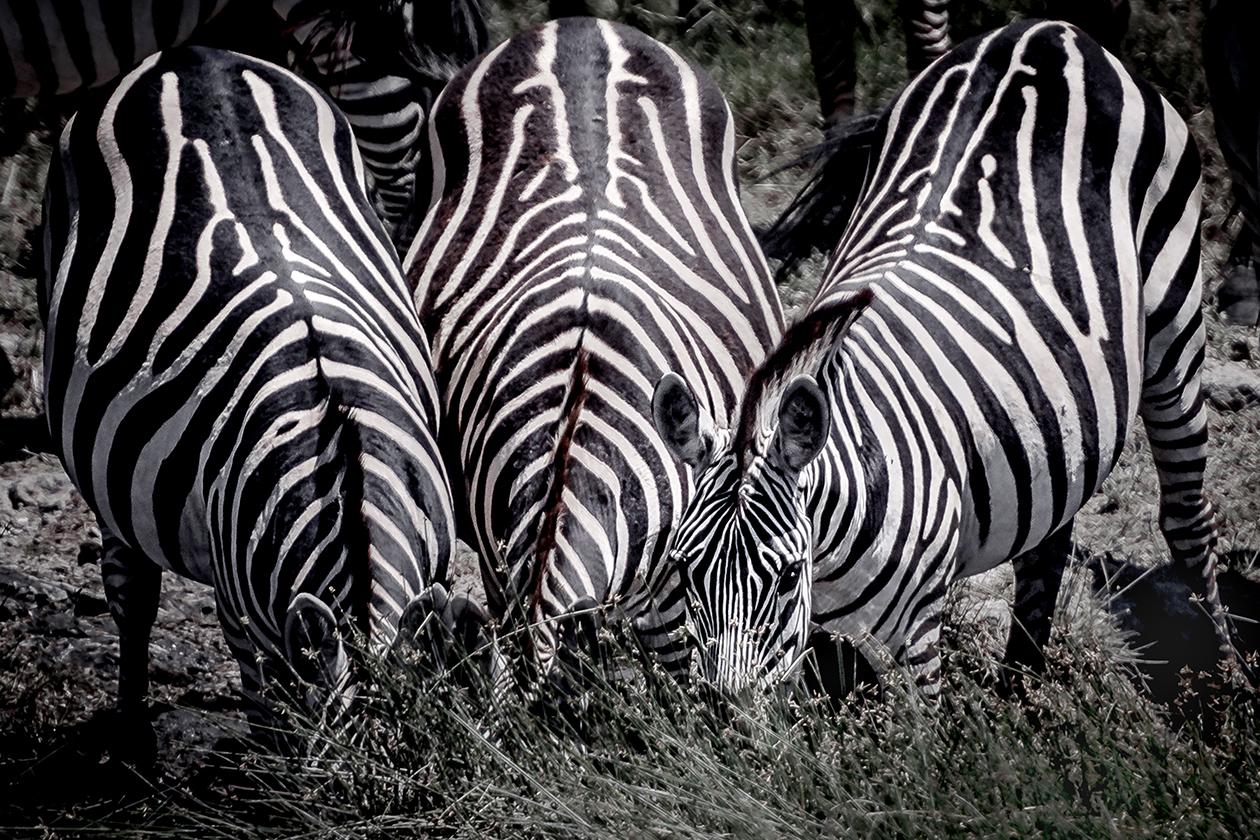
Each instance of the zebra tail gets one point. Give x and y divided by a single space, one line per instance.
554 504
817 216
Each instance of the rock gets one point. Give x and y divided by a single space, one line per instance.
7 374
1229 386
25 587
62 624
87 604
1238 298
43 491
1239 351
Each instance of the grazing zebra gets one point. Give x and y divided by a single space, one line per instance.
1234 82
584 236
235 378
382 61
1019 279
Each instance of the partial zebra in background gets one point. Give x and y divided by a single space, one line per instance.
832 25
235 378
584 236
1019 280
1233 75
382 61
831 28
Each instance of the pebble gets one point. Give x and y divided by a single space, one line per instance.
25 587
1230 386
43 491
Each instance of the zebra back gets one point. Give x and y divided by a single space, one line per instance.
234 375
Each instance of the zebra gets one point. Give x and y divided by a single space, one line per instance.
59 47
1020 277
234 376
584 235
830 27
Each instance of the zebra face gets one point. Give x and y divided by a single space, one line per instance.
744 543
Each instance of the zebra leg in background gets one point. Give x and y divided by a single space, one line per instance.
1175 416
1038 576
926 24
830 26
1233 77
1106 21
132 585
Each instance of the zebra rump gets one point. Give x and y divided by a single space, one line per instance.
584 235
235 378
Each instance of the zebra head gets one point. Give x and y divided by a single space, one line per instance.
744 545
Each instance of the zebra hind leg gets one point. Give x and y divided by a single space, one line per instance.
132 586
1038 577
1175 417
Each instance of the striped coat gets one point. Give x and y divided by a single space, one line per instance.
234 376
1018 282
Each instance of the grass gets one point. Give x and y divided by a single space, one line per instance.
1085 756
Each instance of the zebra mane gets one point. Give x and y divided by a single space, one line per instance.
449 36
819 213
553 504
804 348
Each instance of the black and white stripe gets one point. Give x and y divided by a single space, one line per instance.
235 378
584 236
381 61
1020 280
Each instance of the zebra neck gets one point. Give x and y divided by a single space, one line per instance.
883 486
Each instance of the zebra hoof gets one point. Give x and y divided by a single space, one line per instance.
133 742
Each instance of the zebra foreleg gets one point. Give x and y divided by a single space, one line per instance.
132 586
1038 577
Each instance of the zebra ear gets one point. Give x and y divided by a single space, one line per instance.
312 640
804 423
676 413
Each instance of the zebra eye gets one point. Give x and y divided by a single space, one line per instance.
790 578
